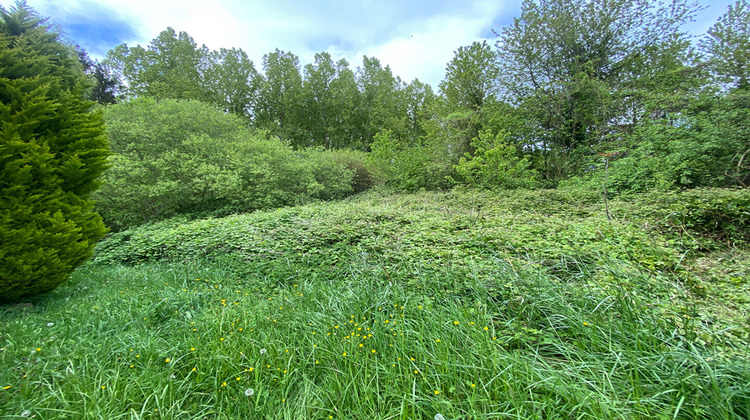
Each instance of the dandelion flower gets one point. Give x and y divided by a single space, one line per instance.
456 322
263 351
344 354
437 392
249 392
167 360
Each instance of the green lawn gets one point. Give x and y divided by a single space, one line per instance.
468 305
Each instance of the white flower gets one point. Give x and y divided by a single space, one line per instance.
50 324
263 351
25 413
439 416
249 392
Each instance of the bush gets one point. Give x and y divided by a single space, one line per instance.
356 162
52 150
708 146
187 158
719 214
495 164
408 167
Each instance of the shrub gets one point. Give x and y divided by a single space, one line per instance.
720 214
495 164
356 162
52 150
188 158
408 167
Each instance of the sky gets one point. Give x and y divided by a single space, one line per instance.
416 38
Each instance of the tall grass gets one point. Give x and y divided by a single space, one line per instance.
359 341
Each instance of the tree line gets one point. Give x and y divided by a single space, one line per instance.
571 86
324 103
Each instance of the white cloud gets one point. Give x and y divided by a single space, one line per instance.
415 38
424 53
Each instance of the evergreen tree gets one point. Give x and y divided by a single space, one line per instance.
52 150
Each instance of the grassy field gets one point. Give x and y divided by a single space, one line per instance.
461 305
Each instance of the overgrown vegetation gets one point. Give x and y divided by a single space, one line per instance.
243 278
467 304
187 158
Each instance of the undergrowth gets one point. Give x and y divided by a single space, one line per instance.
468 305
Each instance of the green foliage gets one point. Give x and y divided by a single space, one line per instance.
495 164
573 68
356 161
470 77
704 145
727 45
52 151
718 214
279 107
186 157
170 67
430 228
409 167
382 300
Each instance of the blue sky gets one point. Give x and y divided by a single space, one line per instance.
415 38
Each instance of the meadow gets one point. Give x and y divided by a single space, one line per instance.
452 305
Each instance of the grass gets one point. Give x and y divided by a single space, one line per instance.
388 307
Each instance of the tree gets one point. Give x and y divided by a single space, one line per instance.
278 108
105 86
52 151
320 100
470 77
727 46
171 67
469 87
231 82
563 63
382 105
419 99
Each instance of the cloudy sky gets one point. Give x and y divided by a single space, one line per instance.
415 37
